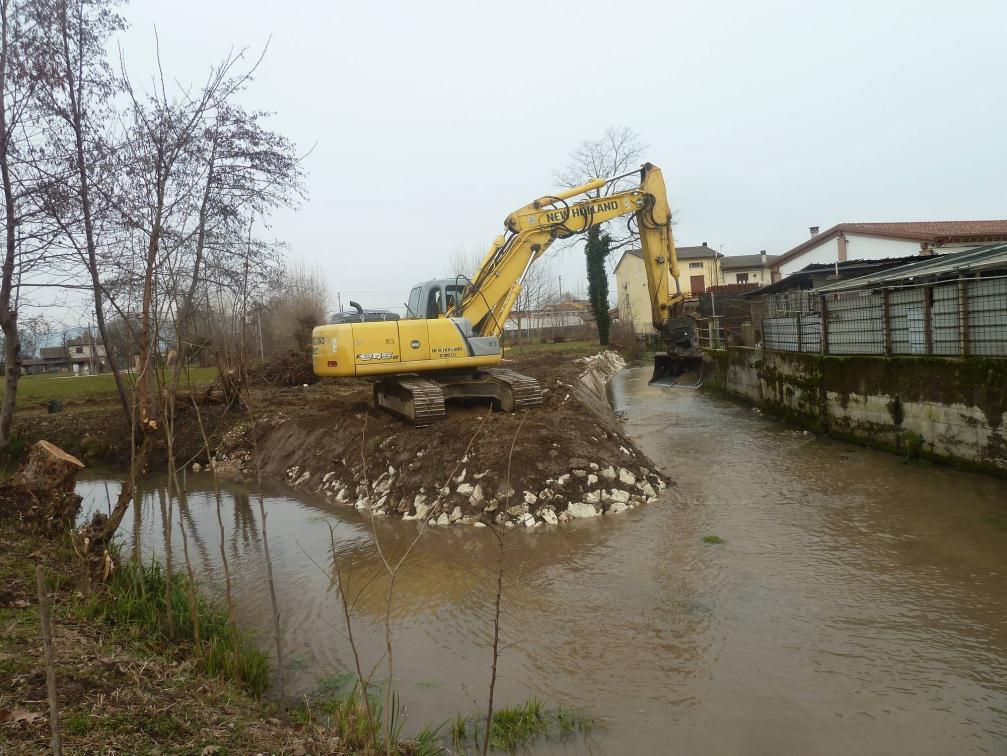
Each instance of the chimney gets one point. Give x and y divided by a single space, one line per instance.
704 244
813 230
762 254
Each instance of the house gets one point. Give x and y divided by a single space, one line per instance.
86 354
31 365
698 270
748 269
54 359
570 318
876 241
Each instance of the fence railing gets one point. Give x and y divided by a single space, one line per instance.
961 317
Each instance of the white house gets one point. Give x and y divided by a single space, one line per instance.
86 354
742 269
878 241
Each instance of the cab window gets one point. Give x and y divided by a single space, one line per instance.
454 295
435 302
413 304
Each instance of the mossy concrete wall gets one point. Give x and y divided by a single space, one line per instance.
951 410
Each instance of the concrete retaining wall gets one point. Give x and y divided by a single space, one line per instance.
951 410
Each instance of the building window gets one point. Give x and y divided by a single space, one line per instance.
79 350
696 265
741 277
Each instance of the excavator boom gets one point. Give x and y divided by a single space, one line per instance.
494 288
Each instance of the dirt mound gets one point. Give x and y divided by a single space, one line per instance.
289 369
565 459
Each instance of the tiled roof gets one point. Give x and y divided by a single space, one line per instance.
683 253
731 262
935 232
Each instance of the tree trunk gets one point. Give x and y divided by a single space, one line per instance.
8 314
75 91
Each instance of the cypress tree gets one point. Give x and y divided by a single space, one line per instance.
596 250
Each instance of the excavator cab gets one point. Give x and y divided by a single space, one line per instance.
432 299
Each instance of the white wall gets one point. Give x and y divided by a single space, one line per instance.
825 252
872 248
760 276
858 247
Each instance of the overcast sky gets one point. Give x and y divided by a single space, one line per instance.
431 121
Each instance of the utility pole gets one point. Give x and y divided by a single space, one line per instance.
339 299
91 349
258 318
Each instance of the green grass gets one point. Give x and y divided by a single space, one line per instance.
565 348
712 539
34 390
516 727
346 714
136 605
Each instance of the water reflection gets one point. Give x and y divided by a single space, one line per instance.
858 603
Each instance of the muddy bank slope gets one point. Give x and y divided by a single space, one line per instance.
568 458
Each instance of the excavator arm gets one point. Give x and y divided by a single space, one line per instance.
493 290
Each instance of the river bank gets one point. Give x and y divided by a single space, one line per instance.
118 691
566 459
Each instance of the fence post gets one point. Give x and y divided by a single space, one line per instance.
886 316
800 336
963 311
823 308
928 330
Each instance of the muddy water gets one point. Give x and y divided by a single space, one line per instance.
858 604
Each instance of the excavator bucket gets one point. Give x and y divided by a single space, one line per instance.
681 365
682 371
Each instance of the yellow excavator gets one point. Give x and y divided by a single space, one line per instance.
448 346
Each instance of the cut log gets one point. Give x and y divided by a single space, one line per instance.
49 470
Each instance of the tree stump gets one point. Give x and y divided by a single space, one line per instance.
43 489
49 469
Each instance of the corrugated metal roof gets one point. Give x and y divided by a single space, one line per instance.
983 258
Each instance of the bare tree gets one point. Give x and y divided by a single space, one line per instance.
464 260
34 331
300 303
77 105
19 77
537 291
615 154
619 151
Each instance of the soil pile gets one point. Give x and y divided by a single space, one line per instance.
289 369
567 458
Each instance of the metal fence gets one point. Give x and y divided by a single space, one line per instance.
962 317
